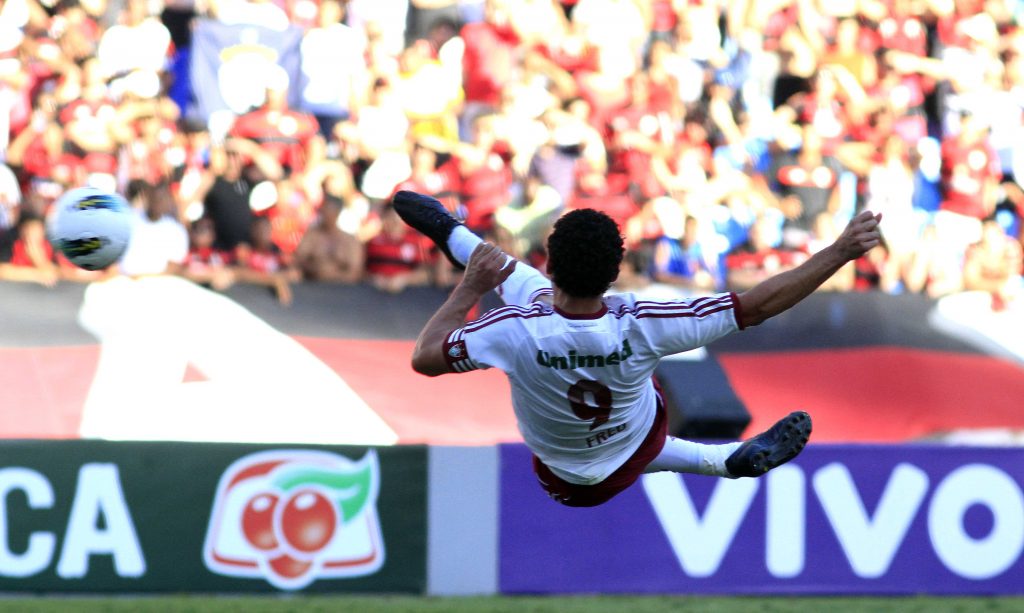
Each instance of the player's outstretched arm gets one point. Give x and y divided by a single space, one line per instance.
486 270
775 295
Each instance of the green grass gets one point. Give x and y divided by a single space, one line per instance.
568 604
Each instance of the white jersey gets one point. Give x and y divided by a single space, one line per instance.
581 385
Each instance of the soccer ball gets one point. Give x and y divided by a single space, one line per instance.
90 227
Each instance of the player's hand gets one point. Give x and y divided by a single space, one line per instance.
487 269
860 236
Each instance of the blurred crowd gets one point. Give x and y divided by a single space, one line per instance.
730 139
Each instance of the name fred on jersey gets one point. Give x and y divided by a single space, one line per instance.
604 435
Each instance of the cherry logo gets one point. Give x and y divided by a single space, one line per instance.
290 529
295 516
258 521
308 521
288 567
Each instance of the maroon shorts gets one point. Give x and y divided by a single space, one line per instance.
573 495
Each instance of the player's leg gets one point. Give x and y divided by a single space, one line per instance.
751 458
683 456
524 286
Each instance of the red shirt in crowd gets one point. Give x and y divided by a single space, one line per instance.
388 255
612 199
442 183
829 120
283 133
19 253
663 16
484 190
903 33
629 161
146 158
966 167
488 62
205 259
39 163
84 110
950 35
567 57
269 260
603 104
288 222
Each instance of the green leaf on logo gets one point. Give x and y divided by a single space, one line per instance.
350 490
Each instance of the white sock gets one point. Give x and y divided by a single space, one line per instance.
682 456
523 286
462 242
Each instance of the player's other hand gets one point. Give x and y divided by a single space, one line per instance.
488 268
860 236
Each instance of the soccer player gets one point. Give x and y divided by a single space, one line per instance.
580 362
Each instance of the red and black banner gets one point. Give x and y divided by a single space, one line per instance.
161 359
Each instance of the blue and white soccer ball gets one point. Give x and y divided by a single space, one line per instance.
91 227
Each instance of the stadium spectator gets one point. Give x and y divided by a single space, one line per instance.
760 257
970 175
807 183
262 262
431 176
554 164
890 191
993 265
146 129
935 269
291 136
396 256
290 209
572 146
15 82
225 188
10 197
377 139
425 16
88 114
609 194
25 253
609 103
488 62
333 69
485 177
135 48
637 134
37 153
853 52
617 29
159 242
429 90
328 253
683 261
684 171
383 20
205 264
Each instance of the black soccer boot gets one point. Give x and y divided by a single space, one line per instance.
773 447
429 216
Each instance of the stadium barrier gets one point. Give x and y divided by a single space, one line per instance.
122 517
90 516
842 519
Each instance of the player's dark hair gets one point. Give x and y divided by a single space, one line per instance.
584 253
